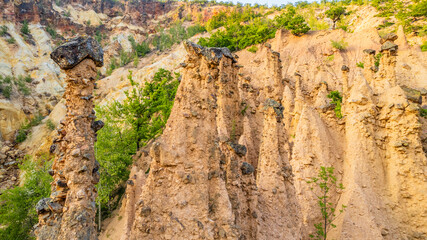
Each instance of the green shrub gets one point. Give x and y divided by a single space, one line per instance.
423 112
25 29
253 49
335 13
336 98
50 125
360 64
129 126
424 46
125 58
6 91
292 21
377 59
325 182
3 31
21 136
11 40
23 88
17 206
52 32
141 49
340 45
28 79
8 79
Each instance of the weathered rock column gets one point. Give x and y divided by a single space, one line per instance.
70 211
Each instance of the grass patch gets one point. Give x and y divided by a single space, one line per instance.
253 49
360 64
340 45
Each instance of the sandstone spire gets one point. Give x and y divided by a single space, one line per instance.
70 211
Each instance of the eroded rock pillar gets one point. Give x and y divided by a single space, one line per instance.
70 211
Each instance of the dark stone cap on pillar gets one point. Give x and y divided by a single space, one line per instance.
211 53
76 50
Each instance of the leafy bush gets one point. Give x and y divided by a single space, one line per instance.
423 112
324 183
292 21
335 13
6 90
130 125
17 206
360 64
3 31
25 29
336 98
253 49
11 40
340 45
21 136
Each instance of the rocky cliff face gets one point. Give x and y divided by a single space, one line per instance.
244 137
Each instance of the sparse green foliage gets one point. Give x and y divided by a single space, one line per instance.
335 13
330 58
17 206
140 49
25 29
336 98
52 32
3 31
423 112
253 49
419 9
424 46
340 45
50 125
23 132
11 40
360 64
323 184
377 59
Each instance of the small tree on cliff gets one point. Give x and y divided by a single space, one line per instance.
292 21
324 183
129 125
335 13
147 108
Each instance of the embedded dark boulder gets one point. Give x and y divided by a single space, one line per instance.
344 68
76 50
247 168
42 205
239 149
